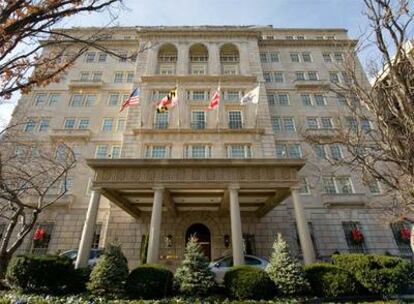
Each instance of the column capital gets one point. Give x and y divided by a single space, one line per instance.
234 187
158 188
295 188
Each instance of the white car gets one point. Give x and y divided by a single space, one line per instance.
220 266
93 256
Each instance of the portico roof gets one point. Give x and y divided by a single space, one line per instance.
195 184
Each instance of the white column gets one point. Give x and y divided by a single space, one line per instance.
183 59
87 232
214 67
236 229
155 227
303 229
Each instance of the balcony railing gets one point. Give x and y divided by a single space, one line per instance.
160 125
78 83
311 83
198 125
344 199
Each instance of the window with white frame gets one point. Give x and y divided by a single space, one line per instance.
90 100
90 57
306 99
320 99
198 95
334 77
327 57
198 119
374 186
306 57
304 186
339 57
84 76
157 151
274 57
69 123
161 120
278 77
101 151
118 77
130 77
281 99
235 119
76 100
337 185
30 125
230 69
283 124
198 69
84 123
312 123
300 76
336 152
267 76
198 151
341 99
312 75
320 152
113 100
40 99
44 125
232 95
167 69
115 152
102 57
294 57
107 124
121 125
263 58
326 122
54 99
239 151
290 151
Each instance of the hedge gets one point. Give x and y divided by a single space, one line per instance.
246 282
381 275
149 282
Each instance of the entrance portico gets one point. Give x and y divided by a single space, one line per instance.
225 187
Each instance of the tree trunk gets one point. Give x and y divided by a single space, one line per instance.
4 262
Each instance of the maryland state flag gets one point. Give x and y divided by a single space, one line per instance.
170 100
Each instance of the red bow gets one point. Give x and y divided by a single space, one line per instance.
405 233
357 235
39 234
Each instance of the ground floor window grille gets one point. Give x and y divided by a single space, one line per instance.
402 233
41 238
355 244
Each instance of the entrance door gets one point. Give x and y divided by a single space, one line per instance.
202 233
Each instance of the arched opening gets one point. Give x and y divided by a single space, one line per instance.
229 58
198 59
203 236
167 59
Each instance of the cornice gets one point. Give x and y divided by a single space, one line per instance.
309 42
201 78
199 131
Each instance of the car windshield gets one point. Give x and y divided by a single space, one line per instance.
252 261
71 254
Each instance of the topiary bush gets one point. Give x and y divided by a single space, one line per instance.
381 275
41 274
285 271
149 282
327 280
193 277
247 282
110 273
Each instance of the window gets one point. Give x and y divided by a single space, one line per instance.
319 100
336 152
267 76
40 99
291 151
53 99
306 99
283 99
84 76
198 151
235 120
312 123
198 95
113 100
294 57
338 185
96 235
90 57
76 100
41 238
123 57
69 123
118 77
306 57
107 124
278 77
161 120
329 185
286 124
198 69
326 122
101 151
167 69
130 77
30 126
116 152
44 125
352 246
90 100
274 57
304 186
83 123
320 152
341 100
238 151
366 125
121 125
96 76
327 57
198 120
313 76
157 152
374 187
352 123
334 77
102 57
263 57
230 69
300 76
339 57
404 246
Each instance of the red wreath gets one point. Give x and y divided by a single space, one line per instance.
39 234
405 234
357 236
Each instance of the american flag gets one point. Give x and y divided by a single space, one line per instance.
132 99
215 100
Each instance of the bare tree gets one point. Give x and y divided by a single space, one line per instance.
33 177
377 131
29 26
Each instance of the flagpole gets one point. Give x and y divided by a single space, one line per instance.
257 108
178 105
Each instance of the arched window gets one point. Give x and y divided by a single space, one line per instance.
198 59
167 59
229 58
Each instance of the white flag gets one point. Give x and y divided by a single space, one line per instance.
252 96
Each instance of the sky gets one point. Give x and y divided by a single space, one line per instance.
279 13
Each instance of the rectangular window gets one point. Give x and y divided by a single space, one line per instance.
320 100
130 77
304 186
300 76
313 76
235 120
118 77
198 120
294 151
283 99
400 235
276 126
166 69
327 57
329 185
90 100
232 95
230 69
83 123
334 77
326 123
289 124
199 95
113 100
41 238
121 125
271 99
274 57
374 187
161 120
198 69
69 123
263 57
84 76
101 151
53 99
306 99
116 152
344 185
312 123
158 152
281 151
123 57
40 99
306 57
77 100
96 235
102 57
90 57
341 100
352 123
336 152
278 77
198 151
30 126
294 57
44 125
107 124
353 245
238 151
96 76
267 76
320 152
339 57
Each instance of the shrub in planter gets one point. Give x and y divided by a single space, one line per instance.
285 271
41 274
110 272
382 275
149 282
246 282
327 280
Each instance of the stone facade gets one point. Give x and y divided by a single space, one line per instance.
238 59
